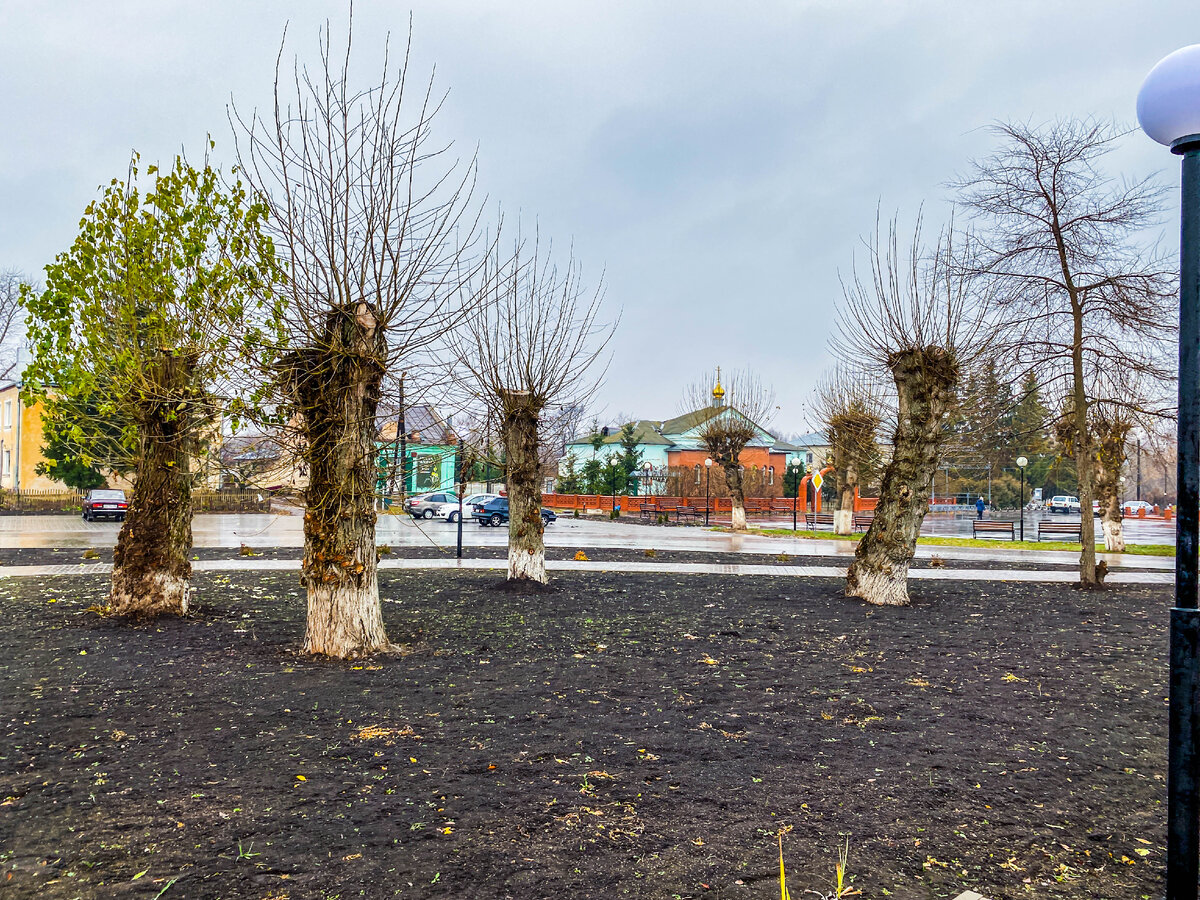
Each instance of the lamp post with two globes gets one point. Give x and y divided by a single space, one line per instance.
1168 109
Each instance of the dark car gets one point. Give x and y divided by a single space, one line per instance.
495 512
105 504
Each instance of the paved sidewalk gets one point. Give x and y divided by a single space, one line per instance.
1064 576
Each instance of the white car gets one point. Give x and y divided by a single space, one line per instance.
449 511
1131 507
1063 503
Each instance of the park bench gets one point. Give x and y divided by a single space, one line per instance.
863 520
687 512
782 506
649 512
1061 530
989 528
812 521
757 507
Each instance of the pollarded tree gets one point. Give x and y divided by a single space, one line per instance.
732 417
1059 245
530 342
142 319
849 406
375 228
914 319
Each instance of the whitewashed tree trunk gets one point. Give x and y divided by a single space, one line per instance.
1114 532
337 386
151 566
737 495
526 548
925 381
843 521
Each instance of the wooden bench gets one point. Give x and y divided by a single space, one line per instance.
649 512
990 527
688 512
863 520
812 521
757 507
782 506
1061 530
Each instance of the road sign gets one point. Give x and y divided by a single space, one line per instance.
817 481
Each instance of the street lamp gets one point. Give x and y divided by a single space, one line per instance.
1168 109
707 475
646 467
1022 462
797 465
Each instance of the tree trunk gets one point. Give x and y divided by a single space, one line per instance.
925 381
843 517
151 565
737 496
1114 533
151 568
337 388
526 550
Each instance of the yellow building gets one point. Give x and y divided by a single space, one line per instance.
21 442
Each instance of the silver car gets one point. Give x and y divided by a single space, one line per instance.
425 506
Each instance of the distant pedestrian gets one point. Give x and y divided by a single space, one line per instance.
979 507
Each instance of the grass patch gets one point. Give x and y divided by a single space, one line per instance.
939 541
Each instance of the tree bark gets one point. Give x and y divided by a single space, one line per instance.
337 388
526 549
843 517
1110 435
925 381
151 568
737 495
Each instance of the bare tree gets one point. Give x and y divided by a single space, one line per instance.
912 318
374 224
732 416
1060 251
11 332
529 346
849 405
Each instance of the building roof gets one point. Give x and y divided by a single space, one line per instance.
420 418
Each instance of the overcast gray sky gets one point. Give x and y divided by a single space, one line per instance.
717 161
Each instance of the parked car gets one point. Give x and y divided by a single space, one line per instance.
105 504
425 506
449 511
1063 503
495 512
1132 506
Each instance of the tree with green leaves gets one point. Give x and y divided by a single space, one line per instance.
72 460
144 317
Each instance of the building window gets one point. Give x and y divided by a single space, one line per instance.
697 473
8 414
771 475
7 463
808 458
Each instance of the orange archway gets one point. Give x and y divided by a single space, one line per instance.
817 494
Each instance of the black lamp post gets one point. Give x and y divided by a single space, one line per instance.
708 463
1168 108
646 467
797 468
1022 462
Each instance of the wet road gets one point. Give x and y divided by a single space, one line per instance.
261 530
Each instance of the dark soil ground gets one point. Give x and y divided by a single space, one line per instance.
36 556
634 736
